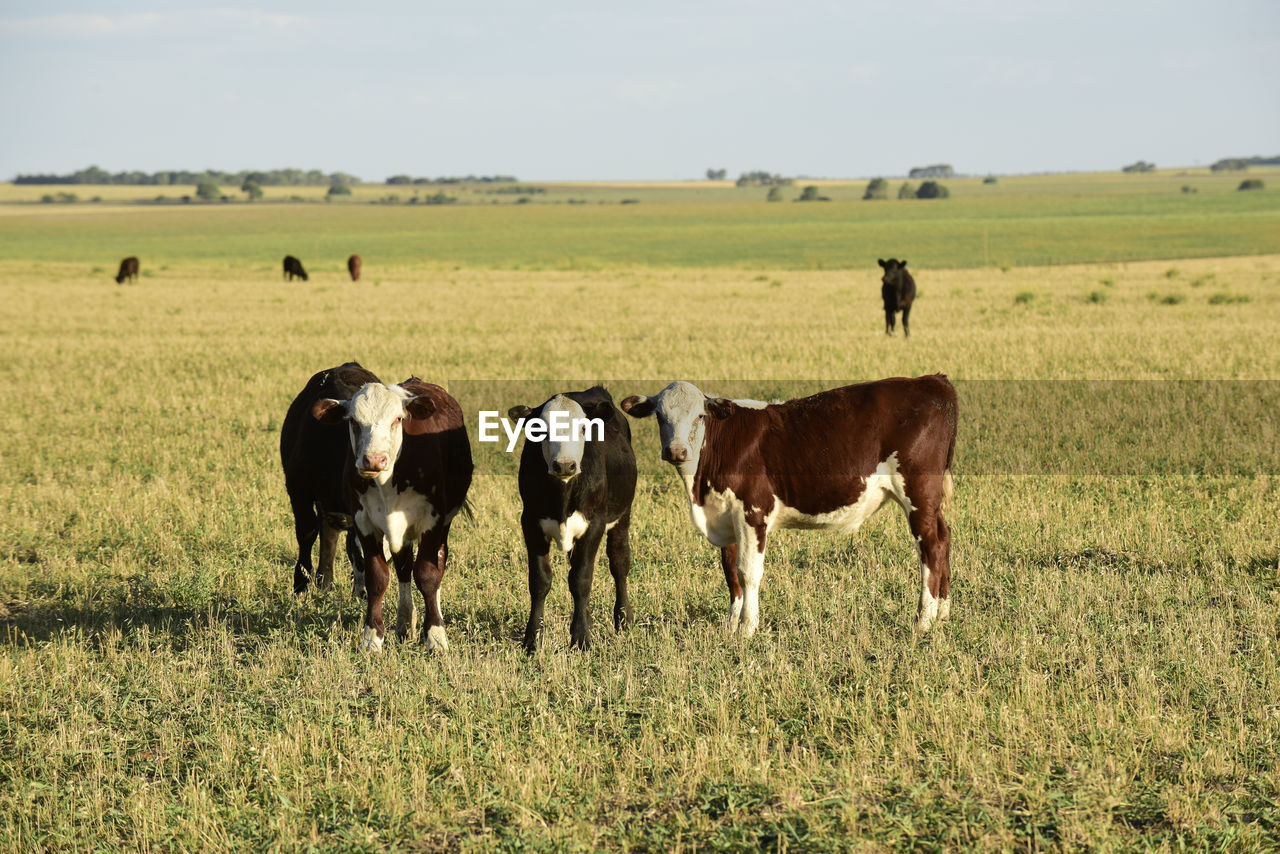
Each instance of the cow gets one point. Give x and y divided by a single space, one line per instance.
293 267
576 492
407 476
898 290
353 267
128 270
827 461
314 455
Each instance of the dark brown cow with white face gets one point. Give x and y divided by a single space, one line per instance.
407 477
828 461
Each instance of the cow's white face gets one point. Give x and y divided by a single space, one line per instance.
377 417
563 458
682 412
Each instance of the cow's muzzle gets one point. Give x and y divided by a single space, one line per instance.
675 454
564 469
373 465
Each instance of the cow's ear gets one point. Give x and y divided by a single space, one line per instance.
329 411
518 412
601 409
419 409
902 263
881 262
720 407
638 406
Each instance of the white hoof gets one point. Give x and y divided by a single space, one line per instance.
928 613
944 608
370 642
436 641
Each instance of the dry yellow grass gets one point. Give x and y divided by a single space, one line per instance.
1108 679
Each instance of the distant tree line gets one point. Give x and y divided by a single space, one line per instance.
937 170
1140 166
454 179
763 179
717 174
1239 164
269 178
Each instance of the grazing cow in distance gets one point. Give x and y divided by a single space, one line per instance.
353 267
407 476
827 461
577 490
314 455
898 290
293 267
128 270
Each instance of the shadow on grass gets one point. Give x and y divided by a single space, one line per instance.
175 611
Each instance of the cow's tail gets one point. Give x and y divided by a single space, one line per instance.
467 509
948 483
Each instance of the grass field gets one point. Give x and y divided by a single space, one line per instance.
1025 220
1109 678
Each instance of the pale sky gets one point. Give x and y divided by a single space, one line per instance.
560 89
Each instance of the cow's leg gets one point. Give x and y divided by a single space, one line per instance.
618 549
406 613
933 541
536 545
888 321
356 557
306 527
751 544
428 571
729 563
377 576
328 548
906 313
582 565
944 581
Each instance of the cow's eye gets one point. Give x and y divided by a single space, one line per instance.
396 423
699 419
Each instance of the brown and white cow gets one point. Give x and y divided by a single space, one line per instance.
828 461
407 478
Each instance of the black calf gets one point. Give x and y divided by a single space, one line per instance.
898 290
575 494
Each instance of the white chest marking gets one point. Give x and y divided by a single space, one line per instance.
400 517
564 534
715 516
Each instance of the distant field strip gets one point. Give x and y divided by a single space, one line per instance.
1007 230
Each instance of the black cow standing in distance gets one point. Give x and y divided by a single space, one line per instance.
314 455
293 267
128 270
898 290
575 494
